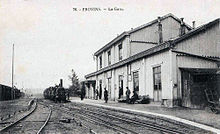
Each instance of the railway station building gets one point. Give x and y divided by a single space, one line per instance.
166 59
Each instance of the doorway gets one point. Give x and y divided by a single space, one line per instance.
120 94
136 82
157 83
194 82
100 89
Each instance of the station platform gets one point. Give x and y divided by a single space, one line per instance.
198 118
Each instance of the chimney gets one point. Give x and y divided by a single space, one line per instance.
61 82
182 27
194 24
181 21
160 34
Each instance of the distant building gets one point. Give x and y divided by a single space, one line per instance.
166 59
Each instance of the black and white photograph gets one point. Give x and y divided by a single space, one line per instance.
109 67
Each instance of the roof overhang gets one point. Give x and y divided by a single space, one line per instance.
89 81
157 49
115 40
200 71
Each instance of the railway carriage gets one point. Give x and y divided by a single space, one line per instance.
7 93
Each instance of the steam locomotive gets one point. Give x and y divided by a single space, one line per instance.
56 93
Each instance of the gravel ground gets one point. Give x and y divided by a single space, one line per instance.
12 107
77 125
143 118
56 126
200 116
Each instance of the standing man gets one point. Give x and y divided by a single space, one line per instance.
106 95
82 93
100 93
128 92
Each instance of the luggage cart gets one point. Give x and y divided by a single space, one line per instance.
213 100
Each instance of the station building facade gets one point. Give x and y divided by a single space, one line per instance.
166 59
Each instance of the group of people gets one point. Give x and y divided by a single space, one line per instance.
133 98
128 93
99 95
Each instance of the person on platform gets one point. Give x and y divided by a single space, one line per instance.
82 94
100 93
97 94
134 97
106 95
128 92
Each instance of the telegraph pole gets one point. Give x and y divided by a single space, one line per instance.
12 77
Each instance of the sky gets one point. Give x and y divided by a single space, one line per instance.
51 38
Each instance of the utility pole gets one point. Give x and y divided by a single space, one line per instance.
12 77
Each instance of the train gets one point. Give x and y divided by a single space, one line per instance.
56 93
9 93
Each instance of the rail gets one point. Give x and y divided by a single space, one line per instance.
45 123
22 118
89 114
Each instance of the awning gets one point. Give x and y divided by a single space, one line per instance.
89 81
202 70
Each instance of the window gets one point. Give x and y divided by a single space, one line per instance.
100 62
120 52
109 57
136 82
157 78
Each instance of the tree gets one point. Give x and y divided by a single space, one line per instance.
75 86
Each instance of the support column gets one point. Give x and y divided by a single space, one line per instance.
144 76
87 91
113 85
173 80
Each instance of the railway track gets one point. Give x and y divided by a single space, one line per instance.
155 123
83 119
114 121
30 123
104 117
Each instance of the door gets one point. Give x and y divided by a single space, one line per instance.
157 83
186 86
136 82
100 89
120 94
